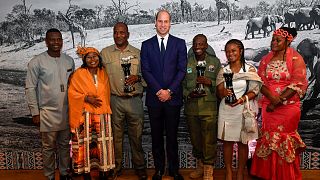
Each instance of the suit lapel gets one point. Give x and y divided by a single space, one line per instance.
156 48
169 48
156 45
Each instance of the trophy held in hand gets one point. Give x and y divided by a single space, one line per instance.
201 68
126 64
228 75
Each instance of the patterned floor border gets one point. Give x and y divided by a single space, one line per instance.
10 160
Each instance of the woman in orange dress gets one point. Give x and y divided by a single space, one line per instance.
283 73
89 116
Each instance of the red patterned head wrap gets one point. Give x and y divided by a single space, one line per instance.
285 32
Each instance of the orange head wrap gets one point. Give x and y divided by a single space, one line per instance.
82 51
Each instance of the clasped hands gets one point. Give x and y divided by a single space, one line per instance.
275 101
93 100
164 95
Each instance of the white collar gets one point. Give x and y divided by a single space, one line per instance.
165 38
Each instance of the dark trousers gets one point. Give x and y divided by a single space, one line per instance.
166 118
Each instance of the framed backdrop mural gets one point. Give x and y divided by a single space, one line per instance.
23 25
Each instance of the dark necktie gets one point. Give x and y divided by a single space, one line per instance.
162 50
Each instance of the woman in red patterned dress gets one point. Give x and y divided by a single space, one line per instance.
283 72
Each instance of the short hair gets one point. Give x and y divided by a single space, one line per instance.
163 10
200 35
121 23
52 30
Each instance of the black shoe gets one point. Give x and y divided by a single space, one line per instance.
142 174
86 176
157 175
113 174
176 176
65 177
102 175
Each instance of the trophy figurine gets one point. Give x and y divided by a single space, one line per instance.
125 64
199 90
228 75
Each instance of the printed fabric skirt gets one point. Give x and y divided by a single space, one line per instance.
92 144
277 154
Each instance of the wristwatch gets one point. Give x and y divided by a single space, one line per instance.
139 78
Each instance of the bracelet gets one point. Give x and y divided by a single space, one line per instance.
242 99
247 97
283 100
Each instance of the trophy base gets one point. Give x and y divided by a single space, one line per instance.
200 93
230 100
128 89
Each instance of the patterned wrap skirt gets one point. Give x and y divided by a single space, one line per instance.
92 144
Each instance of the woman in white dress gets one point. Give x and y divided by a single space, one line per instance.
246 82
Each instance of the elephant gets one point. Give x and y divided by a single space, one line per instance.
274 19
315 15
316 86
302 18
258 23
277 19
310 50
255 55
289 17
311 100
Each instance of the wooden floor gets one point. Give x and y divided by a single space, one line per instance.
128 175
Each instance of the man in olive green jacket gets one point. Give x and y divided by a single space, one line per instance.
201 107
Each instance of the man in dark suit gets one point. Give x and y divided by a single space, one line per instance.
163 66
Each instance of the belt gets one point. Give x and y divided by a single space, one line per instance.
128 96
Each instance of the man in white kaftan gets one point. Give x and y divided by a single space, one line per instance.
46 92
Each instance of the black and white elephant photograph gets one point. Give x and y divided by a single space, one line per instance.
315 15
302 18
289 20
264 23
267 24
310 51
23 26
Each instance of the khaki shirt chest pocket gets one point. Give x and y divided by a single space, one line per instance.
190 78
212 76
112 65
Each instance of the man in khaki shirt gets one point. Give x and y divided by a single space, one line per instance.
126 107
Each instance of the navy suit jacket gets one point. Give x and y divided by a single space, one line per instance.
166 73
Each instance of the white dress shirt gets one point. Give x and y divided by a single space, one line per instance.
165 40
